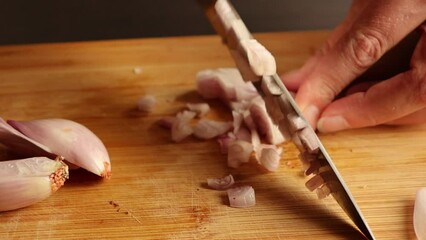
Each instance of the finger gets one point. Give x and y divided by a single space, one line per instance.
384 102
360 87
379 27
293 79
413 118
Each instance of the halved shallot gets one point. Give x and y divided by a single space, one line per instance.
241 197
221 183
27 181
419 216
76 143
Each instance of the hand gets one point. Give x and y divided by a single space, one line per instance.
371 28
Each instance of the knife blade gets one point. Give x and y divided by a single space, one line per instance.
229 25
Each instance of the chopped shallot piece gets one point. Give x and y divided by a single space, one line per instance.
270 158
166 122
419 216
264 123
137 70
243 134
323 191
314 183
208 129
261 61
237 120
225 141
296 123
237 32
224 83
239 152
306 157
309 161
308 139
200 108
313 167
181 126
296 140
225 13
241 197
240 105
146 103
221 183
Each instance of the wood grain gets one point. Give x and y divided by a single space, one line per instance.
157 190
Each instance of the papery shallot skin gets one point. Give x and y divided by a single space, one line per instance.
76 143
27 181
419 216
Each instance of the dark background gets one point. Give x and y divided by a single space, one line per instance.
35 21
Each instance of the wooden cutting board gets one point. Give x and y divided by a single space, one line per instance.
157 189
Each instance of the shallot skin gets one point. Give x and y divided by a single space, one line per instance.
76 143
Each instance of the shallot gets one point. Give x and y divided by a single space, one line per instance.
27 181
221 183
241 197
419 216
76 143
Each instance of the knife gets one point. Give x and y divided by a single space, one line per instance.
283 110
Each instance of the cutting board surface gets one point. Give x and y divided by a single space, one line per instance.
158 188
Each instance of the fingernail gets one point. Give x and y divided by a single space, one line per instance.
311 113
332 124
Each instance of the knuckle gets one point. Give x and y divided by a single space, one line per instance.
365 48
